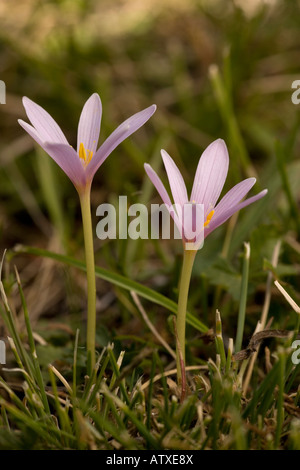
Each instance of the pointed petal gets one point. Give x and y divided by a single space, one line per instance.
157 182
234 196
125 129
89 124
31 131
66 157
47 129
176 181
211 175
162 192
226 214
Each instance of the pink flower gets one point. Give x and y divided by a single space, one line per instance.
82 165
209 180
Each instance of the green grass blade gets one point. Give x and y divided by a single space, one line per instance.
280 398
117 280
243 299
37 370
46 169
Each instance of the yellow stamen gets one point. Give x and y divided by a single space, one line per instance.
85 155
208 218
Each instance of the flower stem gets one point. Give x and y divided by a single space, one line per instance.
187 266
85 204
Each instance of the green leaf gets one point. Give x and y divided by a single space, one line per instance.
221 273
117 280
281 269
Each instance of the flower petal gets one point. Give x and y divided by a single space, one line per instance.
125 129
89 124
31 131
234 196
157 182
66 157
226 214
163 193
176 181
47 129
211 175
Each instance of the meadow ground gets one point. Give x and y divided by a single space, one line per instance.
220 69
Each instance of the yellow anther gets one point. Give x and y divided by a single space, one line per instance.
85 155
208 218
89 158
82 152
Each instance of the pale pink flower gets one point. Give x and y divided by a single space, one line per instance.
209 180
81 165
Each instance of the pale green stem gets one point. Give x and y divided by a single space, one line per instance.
85 204
187 266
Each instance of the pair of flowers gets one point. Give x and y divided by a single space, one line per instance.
81 165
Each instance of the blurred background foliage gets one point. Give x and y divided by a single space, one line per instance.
214 69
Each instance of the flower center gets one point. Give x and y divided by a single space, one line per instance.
208 218
85 154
